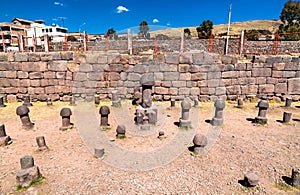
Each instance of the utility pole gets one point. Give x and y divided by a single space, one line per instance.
62 20
228 29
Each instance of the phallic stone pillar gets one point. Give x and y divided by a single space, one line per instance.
27 100
23 112
196 102
49 102
288 102
65 114
2 101
28 173
263 106
99 152
161 135
139 117
287 116
240 103
97 99
199 141
172 103
104 111
116 102
40 140
218 119
147 81
296 177
185 109
121 130
4 139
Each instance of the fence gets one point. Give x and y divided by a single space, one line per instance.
237 44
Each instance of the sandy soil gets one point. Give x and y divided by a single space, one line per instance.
69 168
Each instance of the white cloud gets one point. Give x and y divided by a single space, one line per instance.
168 24
121 9
58 3
155 20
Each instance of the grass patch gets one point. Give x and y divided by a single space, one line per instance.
121 137
39 181
107 128
284 186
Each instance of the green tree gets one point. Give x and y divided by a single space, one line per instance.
187 33
290 17
144 30
111 34
254 35
205 29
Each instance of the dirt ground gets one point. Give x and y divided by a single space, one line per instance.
69 168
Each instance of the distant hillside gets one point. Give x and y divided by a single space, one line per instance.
236 28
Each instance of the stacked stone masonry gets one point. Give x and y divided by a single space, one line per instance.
59 75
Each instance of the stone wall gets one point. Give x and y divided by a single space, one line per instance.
218 45
203 75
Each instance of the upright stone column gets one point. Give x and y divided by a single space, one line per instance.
104 112
65 114
263 106
27 100
184 121
4 139
28 173
288 102
296 178
23 112
116 102
147 81
2 101
40 140
218 119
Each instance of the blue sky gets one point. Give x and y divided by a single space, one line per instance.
97 16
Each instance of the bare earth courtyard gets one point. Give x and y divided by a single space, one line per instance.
69 167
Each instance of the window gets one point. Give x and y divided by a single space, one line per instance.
5 28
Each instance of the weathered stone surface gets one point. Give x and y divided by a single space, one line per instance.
251 179
294 86
58 65
26 176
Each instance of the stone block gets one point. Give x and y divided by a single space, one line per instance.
21 57
39 90
173 91
278 66
195 91
58 65
35 75
34 66
11 74
168 68
85 67
183 91
186 58
281 88
185 76
198 76
267 88
61 75
194 68
22 75
161 90
133 77
261 80
172 58
24 82
179 84
25 177
213 83
205 58
277 74
11 90
289 74
80 76
35 83
34 57
11 98
183 67
240 66
49 75
114 76
140 68
261 72
171 76
226 59
207 91
115 67
233 90
294 86
220 91
230 74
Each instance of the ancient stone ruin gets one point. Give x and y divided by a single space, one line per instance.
121 130
146 113
263 106
104 111
23 112
27 100
65 114
40 140
218 119
185 121
28 173
4 139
